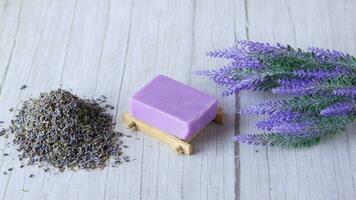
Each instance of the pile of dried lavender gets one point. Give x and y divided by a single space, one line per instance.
64 131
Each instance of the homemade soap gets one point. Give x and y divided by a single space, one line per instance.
173 107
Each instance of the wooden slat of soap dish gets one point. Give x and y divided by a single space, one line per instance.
219 118
180 146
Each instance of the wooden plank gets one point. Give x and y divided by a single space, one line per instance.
164 40
219 118
326 171
113 48
20 64
92 67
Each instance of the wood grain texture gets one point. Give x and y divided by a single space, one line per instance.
114 47
326 171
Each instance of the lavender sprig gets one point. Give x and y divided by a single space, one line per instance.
320 74
229 53
222 76
346 91
326 54
296 87
338 109
323 82
277 62
267 108
295 128
248 83
247 62
277 139
261 48
278 119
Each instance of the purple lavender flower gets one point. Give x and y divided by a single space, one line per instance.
223 76
254 139
328 54
314 75
261 48
229 53
268 124
297 90
247 83
337 109
296 87
241 58
295 128
322 73
288 82
286 116
347 91
269 108
278 119
247 62
277 139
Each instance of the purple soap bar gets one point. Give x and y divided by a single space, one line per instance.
173 107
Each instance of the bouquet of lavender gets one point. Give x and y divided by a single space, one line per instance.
321 83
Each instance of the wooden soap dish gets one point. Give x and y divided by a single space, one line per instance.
179 145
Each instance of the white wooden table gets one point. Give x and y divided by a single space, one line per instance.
113 47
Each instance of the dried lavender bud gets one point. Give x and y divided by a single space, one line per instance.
65 131
117 162
10 169
126 158
31 175
2 132
23 87
119 134
108 106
